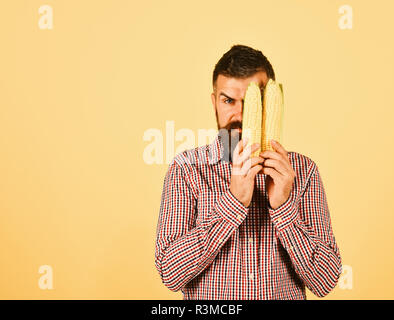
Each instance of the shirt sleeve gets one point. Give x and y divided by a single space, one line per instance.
183 248
304 228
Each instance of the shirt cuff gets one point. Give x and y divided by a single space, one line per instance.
285 214
231 209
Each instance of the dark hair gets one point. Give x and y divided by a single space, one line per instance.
242 62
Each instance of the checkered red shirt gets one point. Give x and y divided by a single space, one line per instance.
210 246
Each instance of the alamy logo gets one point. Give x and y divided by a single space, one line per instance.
163 145
45 21
346 19
345 281
45 282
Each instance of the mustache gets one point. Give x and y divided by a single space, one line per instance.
234 125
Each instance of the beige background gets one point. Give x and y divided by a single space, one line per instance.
76 100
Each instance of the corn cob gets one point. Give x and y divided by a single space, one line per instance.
272 114
252 116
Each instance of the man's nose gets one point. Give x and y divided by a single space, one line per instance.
238 110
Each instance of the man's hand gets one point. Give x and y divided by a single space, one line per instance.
244 170
280 179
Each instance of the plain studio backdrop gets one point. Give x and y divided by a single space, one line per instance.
80 88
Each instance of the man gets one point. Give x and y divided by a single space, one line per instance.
236 227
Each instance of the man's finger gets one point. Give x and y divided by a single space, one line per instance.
278 165
248 151
252 172
250 163
239 159
275 175
240 146
271 155
278 147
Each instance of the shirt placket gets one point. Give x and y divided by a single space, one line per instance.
251 248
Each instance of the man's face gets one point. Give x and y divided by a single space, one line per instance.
228 100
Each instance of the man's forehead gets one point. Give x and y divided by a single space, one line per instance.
234 91
237 86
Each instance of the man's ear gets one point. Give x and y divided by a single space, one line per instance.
213 98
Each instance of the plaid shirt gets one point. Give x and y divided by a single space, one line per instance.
210 246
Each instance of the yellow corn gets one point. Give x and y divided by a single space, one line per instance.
272 114
252 116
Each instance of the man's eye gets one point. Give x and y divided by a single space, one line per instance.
228 100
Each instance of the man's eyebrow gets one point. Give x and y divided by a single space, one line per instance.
223 94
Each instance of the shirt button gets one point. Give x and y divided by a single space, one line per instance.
251 276
250 240
280 220
239 217
220 240
291 248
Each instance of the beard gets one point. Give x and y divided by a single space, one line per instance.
230 136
